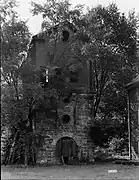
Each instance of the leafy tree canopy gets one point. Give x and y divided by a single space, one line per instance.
106 37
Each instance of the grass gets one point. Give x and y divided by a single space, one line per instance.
87 172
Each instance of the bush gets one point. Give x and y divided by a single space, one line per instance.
100 153
116 144
97 135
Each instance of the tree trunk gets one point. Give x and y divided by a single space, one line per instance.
26 157
11 154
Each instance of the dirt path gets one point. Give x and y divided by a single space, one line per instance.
88 172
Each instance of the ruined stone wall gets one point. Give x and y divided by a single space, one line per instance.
78 132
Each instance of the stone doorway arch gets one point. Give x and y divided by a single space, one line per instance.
67 150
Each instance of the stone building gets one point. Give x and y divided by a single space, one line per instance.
68 141
133 94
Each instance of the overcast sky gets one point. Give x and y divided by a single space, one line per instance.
34 22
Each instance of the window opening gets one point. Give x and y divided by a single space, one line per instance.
44 76
58 71
65 119
65 35
73 77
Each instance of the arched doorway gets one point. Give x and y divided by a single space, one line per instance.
66 150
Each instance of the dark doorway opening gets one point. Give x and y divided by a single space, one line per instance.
65 35
65 119
66 150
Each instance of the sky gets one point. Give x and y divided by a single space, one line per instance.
34 22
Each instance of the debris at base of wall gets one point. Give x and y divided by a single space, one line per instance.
43 161
112 171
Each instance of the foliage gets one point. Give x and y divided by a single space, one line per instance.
111 55
17 116
100 153
57 13
102 133
15 109
103 35
116 144
105 42
15 38
97 135
7 10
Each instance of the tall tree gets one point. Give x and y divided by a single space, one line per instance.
15 39
111 46
113 50
105 36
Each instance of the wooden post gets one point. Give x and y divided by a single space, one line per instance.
12 150
91 93
129 128
90 76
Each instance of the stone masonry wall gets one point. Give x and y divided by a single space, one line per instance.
79 133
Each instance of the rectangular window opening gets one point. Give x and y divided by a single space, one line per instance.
44 76
73 77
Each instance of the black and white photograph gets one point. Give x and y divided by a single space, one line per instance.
69 89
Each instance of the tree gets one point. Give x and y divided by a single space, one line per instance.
113 50
107 38
15 39
56 12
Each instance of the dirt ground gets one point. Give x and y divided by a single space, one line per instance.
82 172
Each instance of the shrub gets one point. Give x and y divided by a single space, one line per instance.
100 153
116 144
97 135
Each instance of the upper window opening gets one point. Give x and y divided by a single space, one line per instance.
65 35
44 76
58 71
73 77
66 100
65 119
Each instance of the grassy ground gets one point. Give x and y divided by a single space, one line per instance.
84 172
